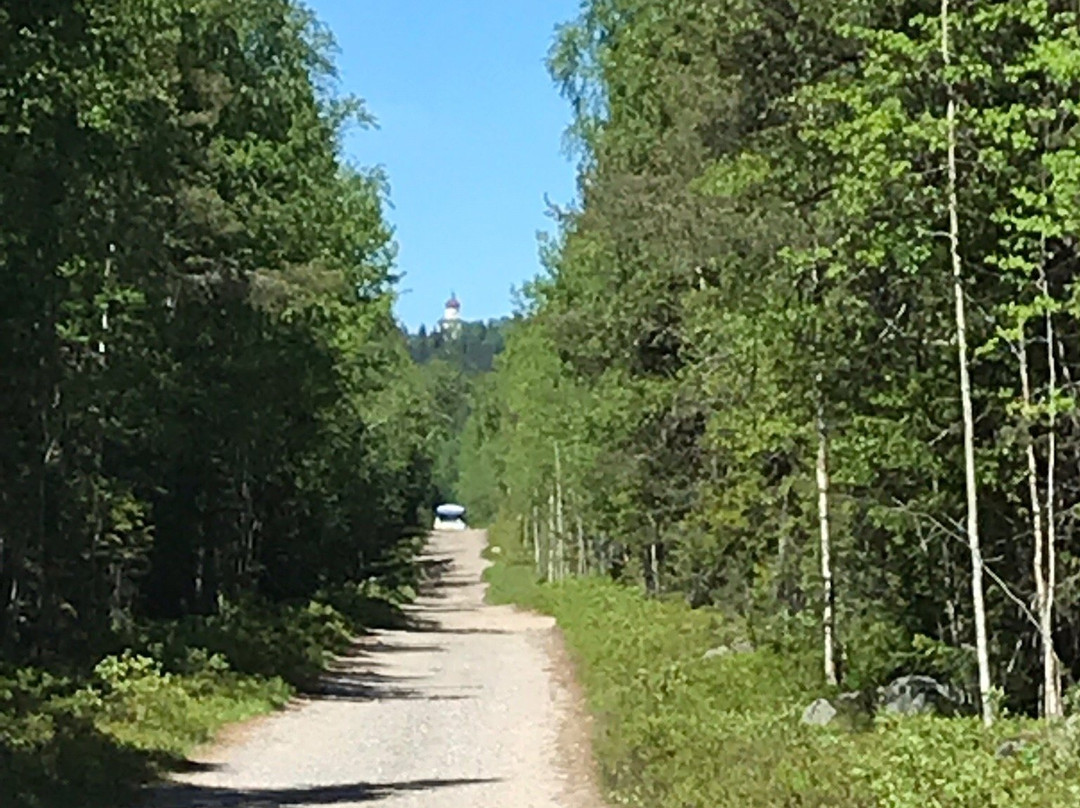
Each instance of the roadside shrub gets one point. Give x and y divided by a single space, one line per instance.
677 730
369 605
254 637
90 742
923 761
52 753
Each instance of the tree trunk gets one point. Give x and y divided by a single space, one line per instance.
828 617
10 566
1052 702
536 539
1038 561
583 556
560 527
549 575
977 593
654 567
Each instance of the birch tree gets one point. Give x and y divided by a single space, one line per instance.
828 618
970 482
901 137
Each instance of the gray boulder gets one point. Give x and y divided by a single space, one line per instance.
853 711
737 647
919 695
908 695
819 714
1011 748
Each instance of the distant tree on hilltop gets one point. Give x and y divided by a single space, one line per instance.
472 351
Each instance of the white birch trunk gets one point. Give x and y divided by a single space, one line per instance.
1052 702
583 556
828 616
977 588
560 526
550 572
1038 562
536 540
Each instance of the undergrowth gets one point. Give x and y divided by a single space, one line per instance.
92 740
678 730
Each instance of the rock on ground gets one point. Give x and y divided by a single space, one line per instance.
917 695
819 713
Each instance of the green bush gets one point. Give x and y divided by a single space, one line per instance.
52 754
142 706
370 605
90 741
677 730
257 638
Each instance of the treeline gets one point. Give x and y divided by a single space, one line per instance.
822 250
204 395
453 366
472 348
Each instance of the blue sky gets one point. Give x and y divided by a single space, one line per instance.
470 133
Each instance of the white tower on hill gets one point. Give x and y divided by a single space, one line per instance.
450 323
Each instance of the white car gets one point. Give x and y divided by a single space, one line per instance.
450 517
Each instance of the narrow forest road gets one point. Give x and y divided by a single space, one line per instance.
471 709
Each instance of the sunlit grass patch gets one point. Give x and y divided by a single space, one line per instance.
677 729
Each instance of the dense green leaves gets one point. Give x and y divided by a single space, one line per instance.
760 248
204 392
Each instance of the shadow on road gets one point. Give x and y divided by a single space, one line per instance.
379 647
432 568
188 796
371 687
353 675
417 622
464 632
450 583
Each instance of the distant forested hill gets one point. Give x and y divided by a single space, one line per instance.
472 351
451 367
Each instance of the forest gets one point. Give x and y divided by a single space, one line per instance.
453 364
802 365
806 349
471 349
205 392
212 428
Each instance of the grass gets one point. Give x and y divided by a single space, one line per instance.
676 730
92 741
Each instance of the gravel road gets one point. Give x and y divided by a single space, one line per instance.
472 709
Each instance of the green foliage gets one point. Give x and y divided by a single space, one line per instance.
471 349
257 637
91 741
676 728
511 578
168 714
453 366
205 393
756 270
68 745
212 431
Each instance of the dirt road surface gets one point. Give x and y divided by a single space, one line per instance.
474 708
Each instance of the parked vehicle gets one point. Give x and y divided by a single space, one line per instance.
450 517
